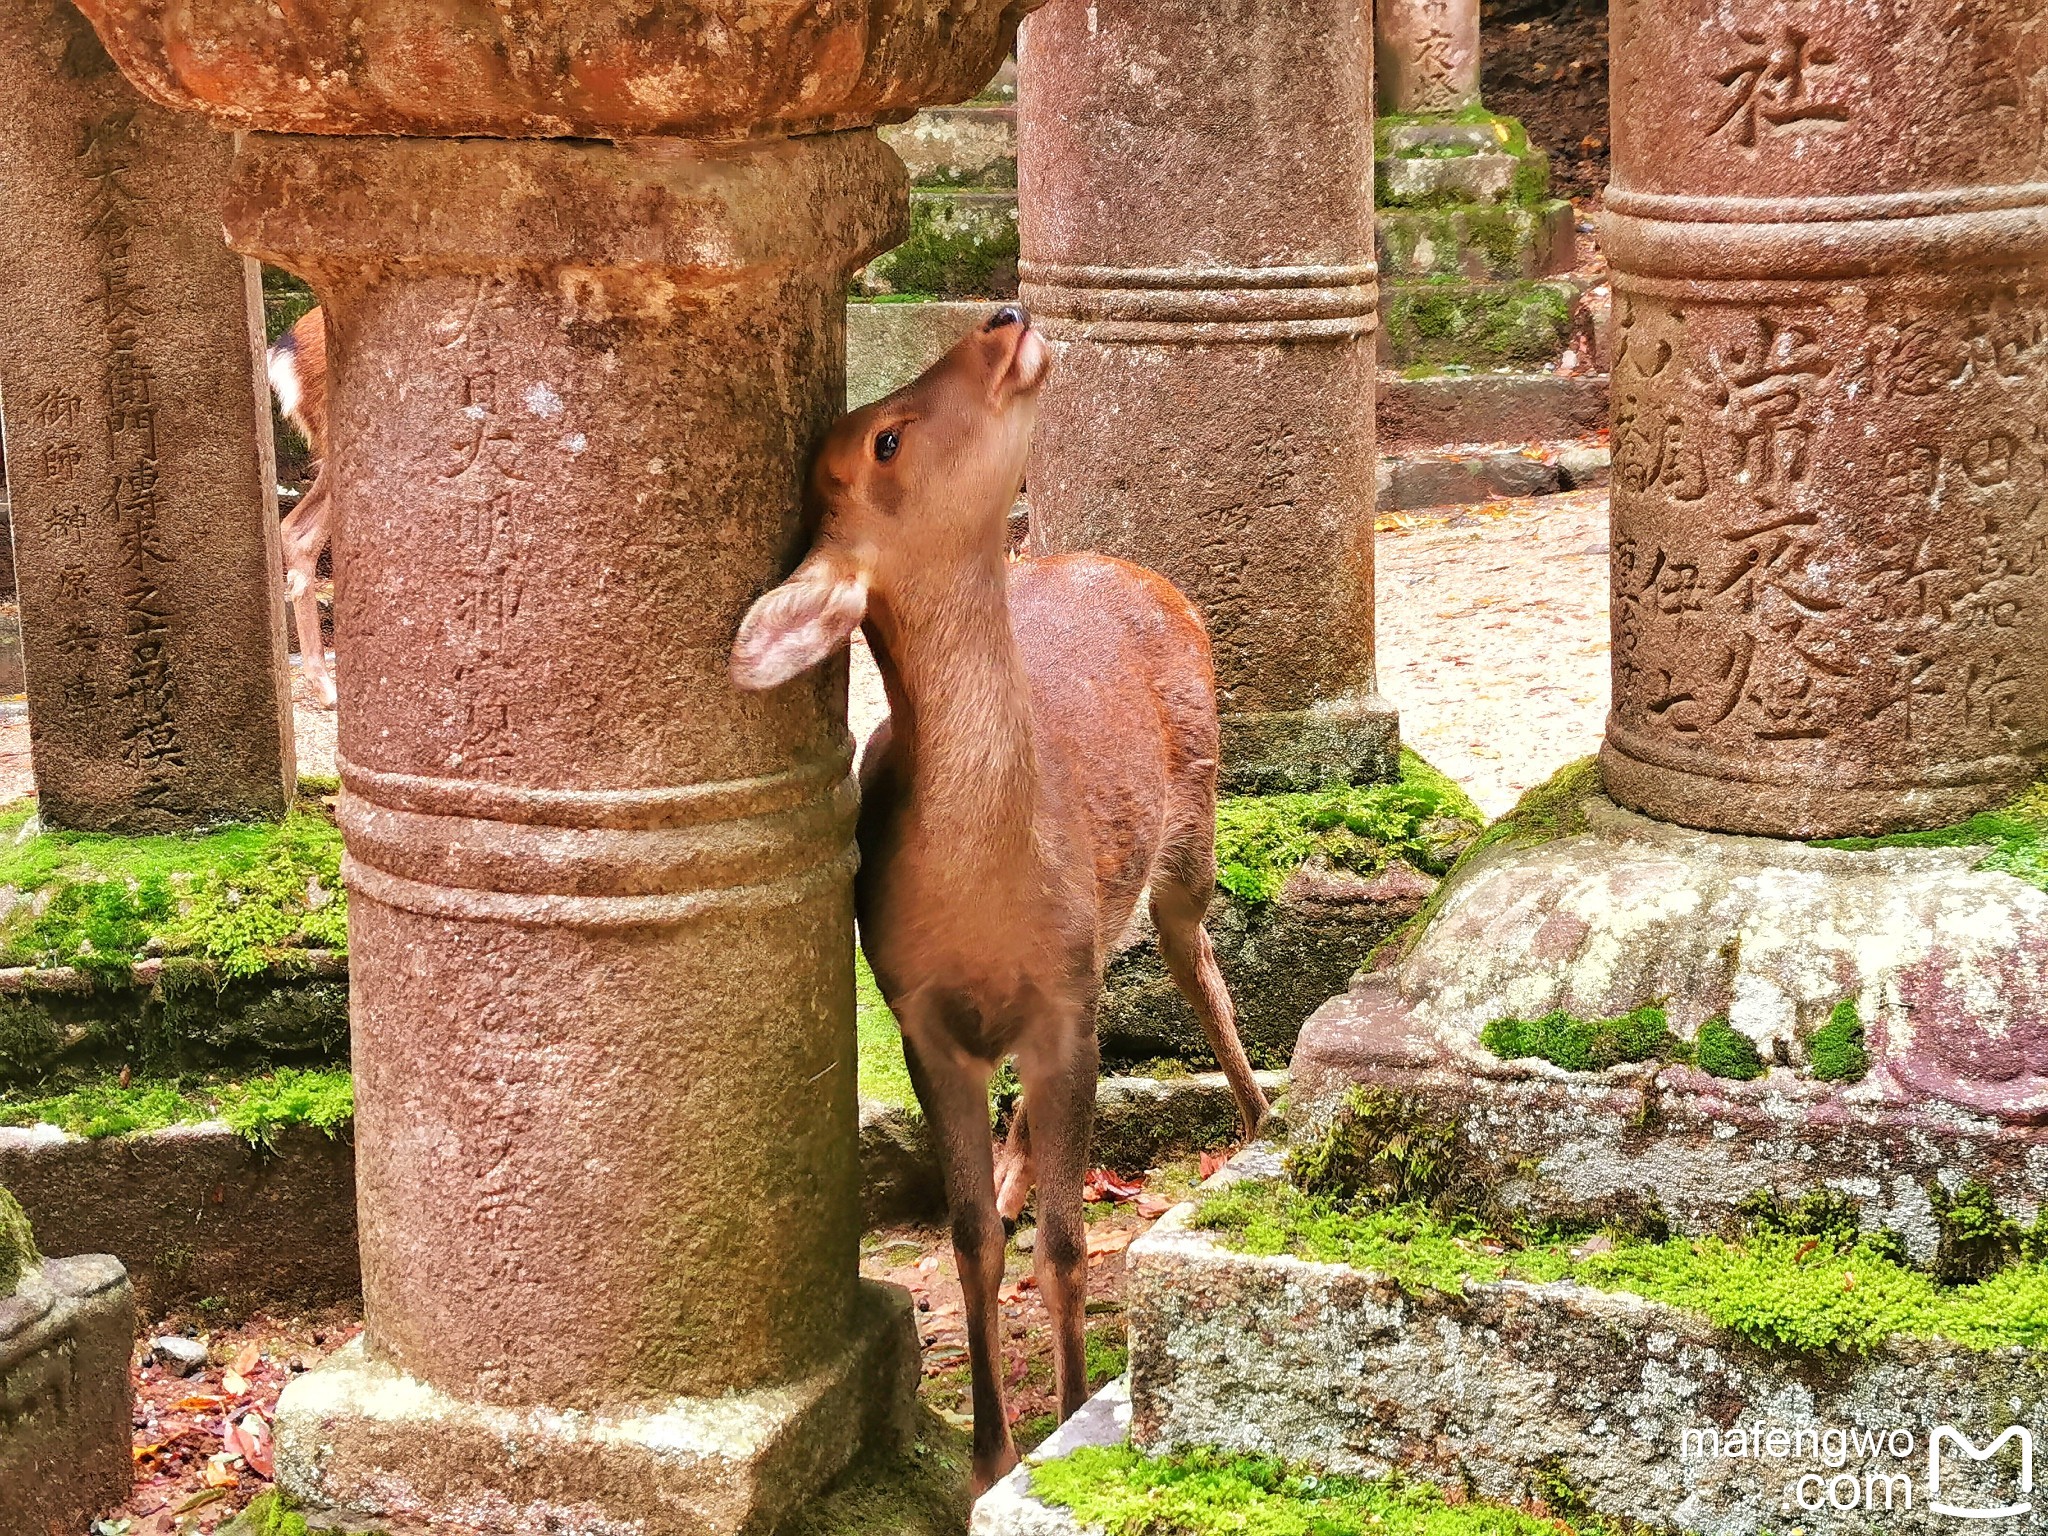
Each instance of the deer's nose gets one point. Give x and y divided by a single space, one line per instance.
1007 316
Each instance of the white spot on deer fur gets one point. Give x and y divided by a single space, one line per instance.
543 402
284 379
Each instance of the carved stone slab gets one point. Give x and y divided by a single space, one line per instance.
65 1394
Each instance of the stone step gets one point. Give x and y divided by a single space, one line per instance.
962 244
1443 321
971 146
1494 241
1586 1401
1414 481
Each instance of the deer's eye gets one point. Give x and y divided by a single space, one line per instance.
886 444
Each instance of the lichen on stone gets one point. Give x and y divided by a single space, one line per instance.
1381 1148
1123 1492
1835 1052
1423 817
17 1243
1585 1045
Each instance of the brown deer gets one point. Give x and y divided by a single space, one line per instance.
1050 754
298 377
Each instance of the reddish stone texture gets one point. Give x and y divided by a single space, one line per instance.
600 917
143 493
1211 411
1428 55
728 69
1830 540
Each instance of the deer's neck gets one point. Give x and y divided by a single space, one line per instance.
960 711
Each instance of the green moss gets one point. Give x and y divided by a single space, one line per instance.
17 1243
1503 323
1834 1052
1108 1354
883 1074
1422 817
256 1108
1976 1239
238 897
1381 1148
1721 1050
1203 1493
1814 1294
2016 835
1509 136
957 249
1584 1045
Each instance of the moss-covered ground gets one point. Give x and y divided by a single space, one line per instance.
257 1108
17 1243
2016 835
1828 1291
1422 817
1127 1493
239 897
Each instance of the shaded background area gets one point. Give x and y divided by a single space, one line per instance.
1545 62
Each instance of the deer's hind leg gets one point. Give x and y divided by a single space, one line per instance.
1183 881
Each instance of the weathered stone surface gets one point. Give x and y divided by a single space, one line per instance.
1281 960
969 146
1487 242
1946 964
1488 408
1210 412
1428 54
961 244
1830 253
177 1354
1514 1391
143 494
1451 479
195 1211
1585 466
1516 324
682 1465
557 69
888 345
65 1396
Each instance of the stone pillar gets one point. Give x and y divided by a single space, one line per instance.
138 436
1428 55
601 919
1211 411
1830 568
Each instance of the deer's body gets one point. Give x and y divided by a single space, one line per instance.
297 364
1049 757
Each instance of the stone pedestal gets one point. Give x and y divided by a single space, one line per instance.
139 457
601 919
1830 251
1428 55
1211 411
66 1326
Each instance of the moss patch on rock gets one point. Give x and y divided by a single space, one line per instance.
961 246
1833 1291
1127 1493
1721 1050
1423 817
1584 1045
919 1490
1446 320
256 1108
238 897
1835 1052
1381 1148
2016 835
17 1244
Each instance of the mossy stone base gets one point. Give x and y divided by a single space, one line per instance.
970 146
358 1437
1449 320
1559 1394
175 1017
1351 741
1281 959
1495 243
962 244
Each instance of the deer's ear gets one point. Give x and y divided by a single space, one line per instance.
798 624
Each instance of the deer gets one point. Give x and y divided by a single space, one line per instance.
1050 756
297 364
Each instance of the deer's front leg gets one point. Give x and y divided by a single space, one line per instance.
953 1089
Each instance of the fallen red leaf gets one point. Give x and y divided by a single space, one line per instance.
247 1358
1010 1290
1152 1207
1102 1184
1212 1161
251 1437
1103 1240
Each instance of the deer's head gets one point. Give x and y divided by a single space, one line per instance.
904 489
